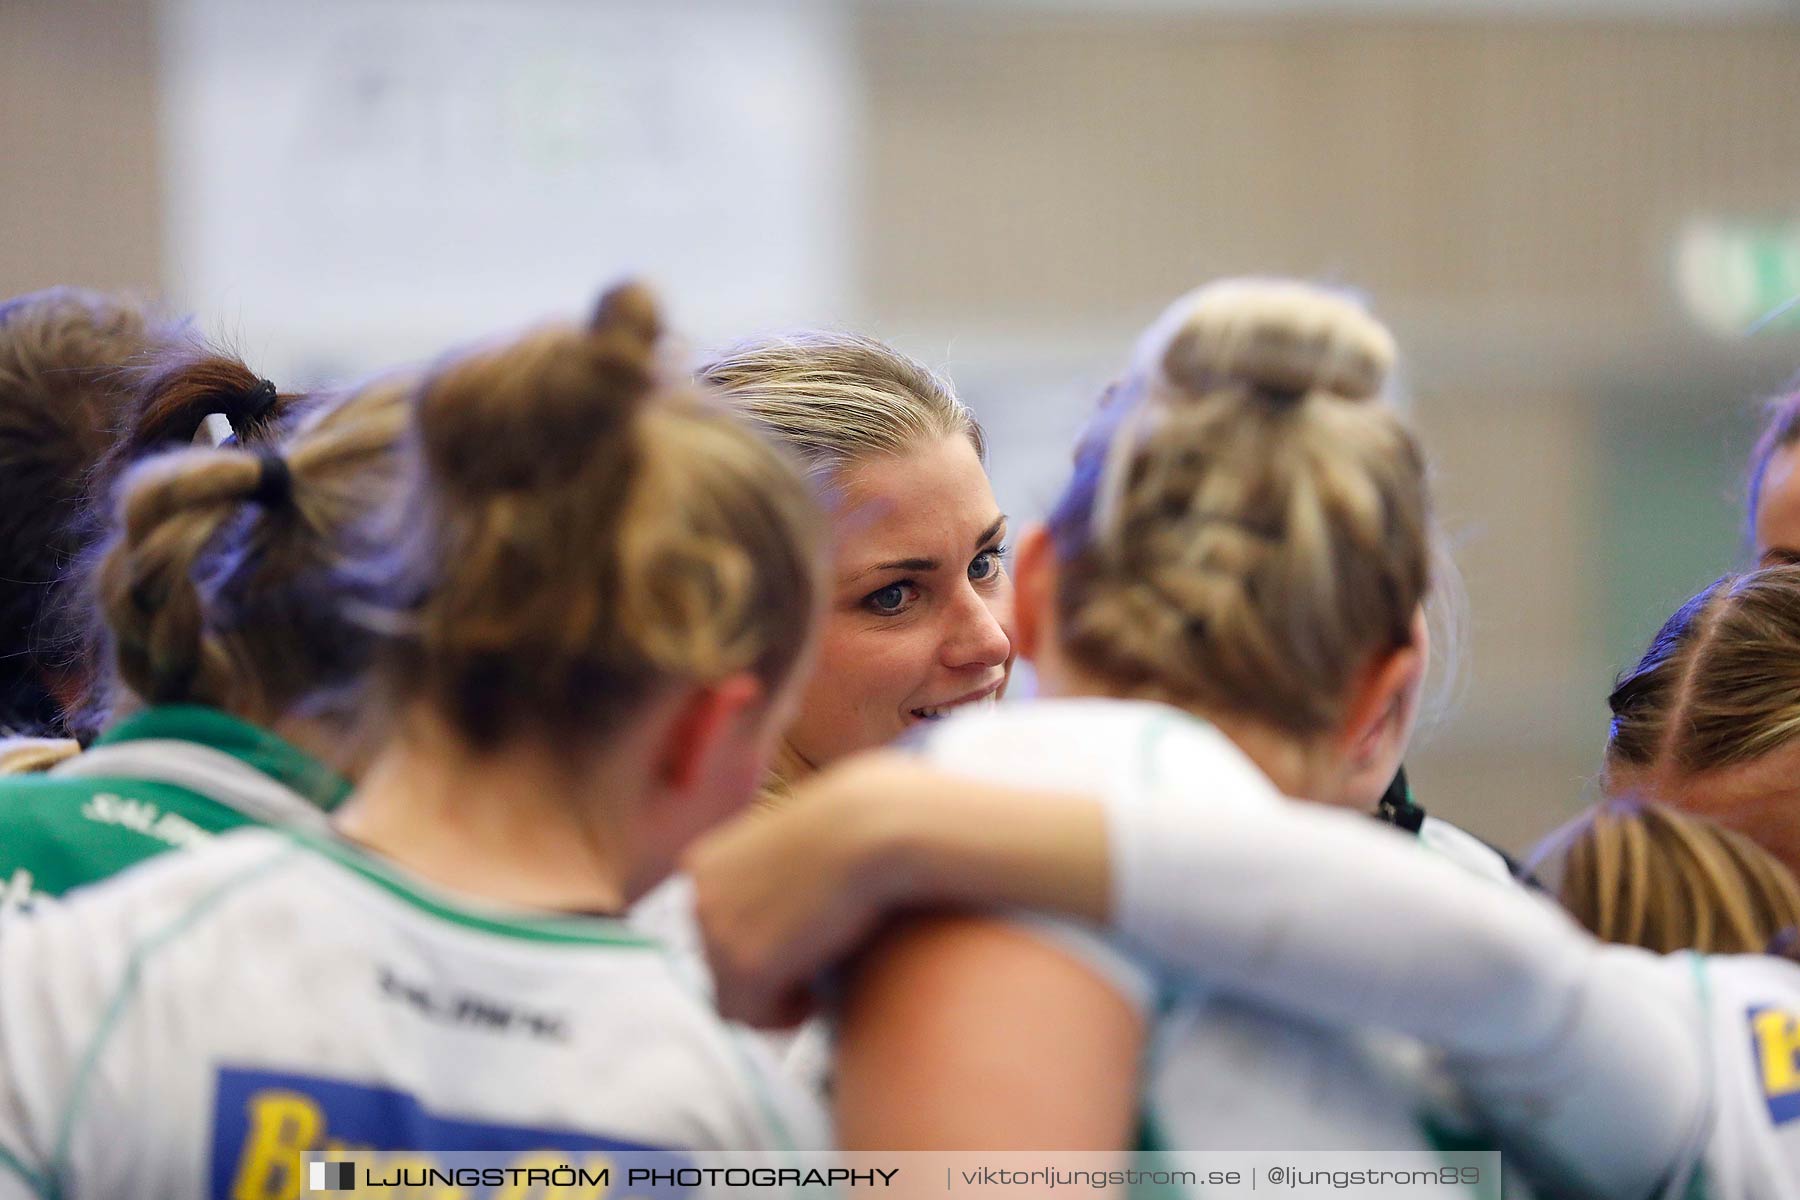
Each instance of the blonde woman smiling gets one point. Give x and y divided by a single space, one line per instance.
919 607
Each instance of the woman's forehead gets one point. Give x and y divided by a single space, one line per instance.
931 502
1772 779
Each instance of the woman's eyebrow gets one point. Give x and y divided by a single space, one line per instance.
929 564
898 564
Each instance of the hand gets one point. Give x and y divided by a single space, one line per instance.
783 894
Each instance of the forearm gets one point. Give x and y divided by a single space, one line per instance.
783 895
1622 1096
979 844
1333 917
1324 911
1332 914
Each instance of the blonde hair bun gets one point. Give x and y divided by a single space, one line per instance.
537 411
1276 335
629 311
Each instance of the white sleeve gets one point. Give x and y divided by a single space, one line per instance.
1329 915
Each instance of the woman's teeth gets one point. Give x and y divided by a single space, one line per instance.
944 710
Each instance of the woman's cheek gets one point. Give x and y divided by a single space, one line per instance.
889 668
839 713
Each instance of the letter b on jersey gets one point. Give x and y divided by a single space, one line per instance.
1775 1036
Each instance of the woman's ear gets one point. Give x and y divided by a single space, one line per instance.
1034 588
705 721
1379 721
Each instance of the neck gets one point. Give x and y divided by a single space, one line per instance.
510 824
337 744
783 775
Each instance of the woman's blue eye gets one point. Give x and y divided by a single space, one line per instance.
986 564
888 599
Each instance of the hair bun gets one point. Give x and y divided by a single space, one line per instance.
539 409
629 309
1276 335
178 390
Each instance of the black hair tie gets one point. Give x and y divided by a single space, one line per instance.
262 398
258 403
274 481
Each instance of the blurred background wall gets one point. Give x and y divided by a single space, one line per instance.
1570 214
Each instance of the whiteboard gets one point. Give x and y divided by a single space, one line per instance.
352 183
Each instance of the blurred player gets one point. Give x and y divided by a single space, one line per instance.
591 628
1708 721
1774 515
73 409
193 637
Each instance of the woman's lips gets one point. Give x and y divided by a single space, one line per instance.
932 712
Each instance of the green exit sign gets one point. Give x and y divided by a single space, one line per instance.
1740 276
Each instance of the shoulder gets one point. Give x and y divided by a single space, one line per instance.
1465 850
665 914
73 972
139 901
57 833
1114 749
48 796
1138 982
1051 724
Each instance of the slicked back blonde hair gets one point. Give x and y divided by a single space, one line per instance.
837 399
1719 685
1246 525
1653 877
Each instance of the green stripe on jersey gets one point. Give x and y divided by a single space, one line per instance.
249 744
57 834
38 1185
569 930
61 831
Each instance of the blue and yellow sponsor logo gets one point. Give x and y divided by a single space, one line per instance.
1775 1041
266 1122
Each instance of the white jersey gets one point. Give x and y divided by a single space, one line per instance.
195 1025
1466 850
666 914
1220 1074
1752 1012
1604 1070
